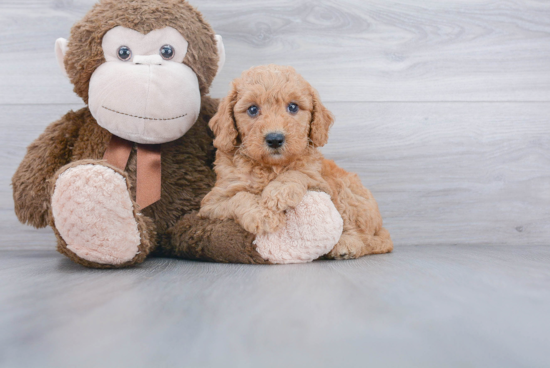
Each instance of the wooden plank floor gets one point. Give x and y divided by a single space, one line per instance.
422 306
442 108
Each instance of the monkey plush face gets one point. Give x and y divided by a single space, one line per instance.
143 92
145 81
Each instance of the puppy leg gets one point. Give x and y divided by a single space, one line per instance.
377 244
279 196
363 231
349 246
288 190
353 245
244 208
254 217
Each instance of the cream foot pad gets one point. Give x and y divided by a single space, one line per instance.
93 213
312 229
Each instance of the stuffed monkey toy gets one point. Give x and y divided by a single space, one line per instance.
123 177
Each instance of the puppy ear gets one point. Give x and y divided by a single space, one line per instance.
223 123
321 121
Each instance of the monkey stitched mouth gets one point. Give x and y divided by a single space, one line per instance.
141 117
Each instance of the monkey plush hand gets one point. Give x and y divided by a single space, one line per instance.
124 176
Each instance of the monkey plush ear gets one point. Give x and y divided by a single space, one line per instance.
221 53
321 121
60 51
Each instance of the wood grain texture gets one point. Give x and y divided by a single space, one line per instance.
443 173
445 306
464 173
352 50
451 173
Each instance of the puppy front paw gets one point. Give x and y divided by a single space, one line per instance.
280 197
262 221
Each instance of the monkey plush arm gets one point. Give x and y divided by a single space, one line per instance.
210 240
47 154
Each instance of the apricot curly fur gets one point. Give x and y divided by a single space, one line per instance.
257 183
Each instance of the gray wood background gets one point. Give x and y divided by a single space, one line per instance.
443 108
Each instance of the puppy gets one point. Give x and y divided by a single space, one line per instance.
267 133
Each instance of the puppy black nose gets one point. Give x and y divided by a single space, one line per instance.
275 140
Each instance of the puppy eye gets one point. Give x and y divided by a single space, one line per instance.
253 111
124 53
167 52
292 108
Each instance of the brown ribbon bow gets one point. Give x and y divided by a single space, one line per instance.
148 181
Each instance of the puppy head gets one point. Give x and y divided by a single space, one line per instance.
271 115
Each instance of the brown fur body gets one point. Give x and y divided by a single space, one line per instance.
171 226
256 183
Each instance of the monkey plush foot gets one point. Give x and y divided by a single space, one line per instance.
94 215
312 229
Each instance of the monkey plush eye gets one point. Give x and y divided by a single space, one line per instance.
124 53
167 52
292 108
253 111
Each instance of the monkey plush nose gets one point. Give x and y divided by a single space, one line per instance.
148 59
275 140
